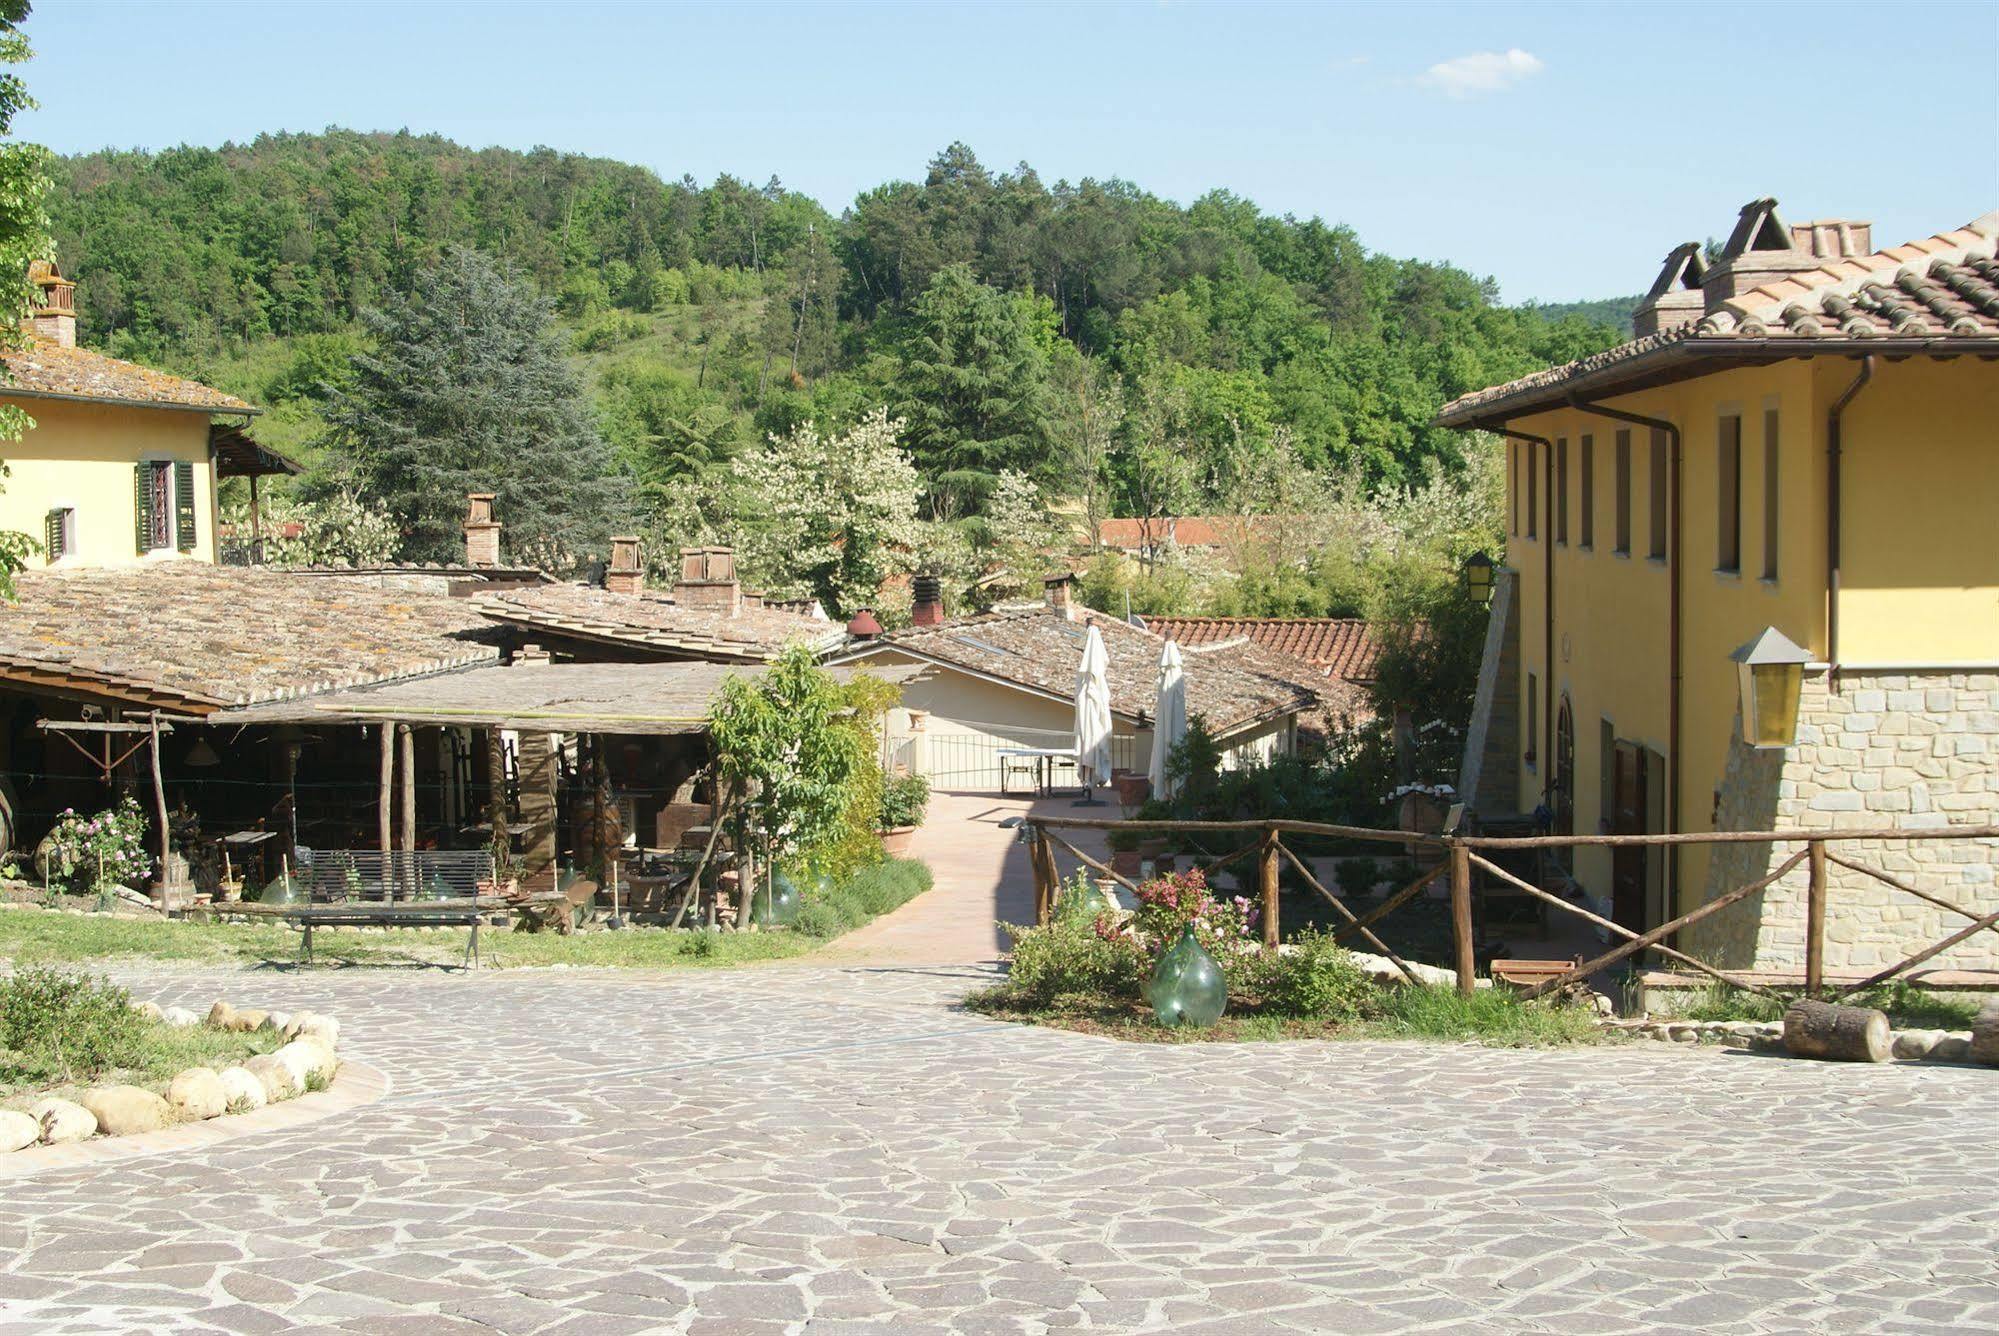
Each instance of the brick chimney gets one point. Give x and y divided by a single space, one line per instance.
1834 238
482 531
928 609
54 315
1761 250
1676 298
708 580
1058 589
626 573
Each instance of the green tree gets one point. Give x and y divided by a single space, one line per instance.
467 391
971 381
24 238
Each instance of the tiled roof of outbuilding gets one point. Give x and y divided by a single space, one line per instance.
1932 295
655 621
1039 648
191 636
1342 647
49 370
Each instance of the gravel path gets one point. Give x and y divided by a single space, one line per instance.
837 1150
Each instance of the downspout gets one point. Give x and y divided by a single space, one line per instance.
1673 654
1546 537
1833 451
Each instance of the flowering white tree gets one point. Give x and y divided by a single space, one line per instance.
827 515
1020 533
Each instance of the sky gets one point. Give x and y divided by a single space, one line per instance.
1561 149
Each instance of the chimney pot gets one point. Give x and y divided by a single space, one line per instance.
482 531
708 580
54 315
864 626
1834 238
626 573
928 608
1060 597
1761 250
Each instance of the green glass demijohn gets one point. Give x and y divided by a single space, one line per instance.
280 890
1187 987
776 902
1082 899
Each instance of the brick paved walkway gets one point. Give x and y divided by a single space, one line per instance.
833 1151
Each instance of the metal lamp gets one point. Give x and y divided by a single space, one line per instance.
1770 672
1478 574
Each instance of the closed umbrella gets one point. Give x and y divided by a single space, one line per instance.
1093 714
1169 717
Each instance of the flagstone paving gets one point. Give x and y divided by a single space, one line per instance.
837 1151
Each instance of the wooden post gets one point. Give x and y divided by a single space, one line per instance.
160 808
1266 870
1815 921
384 819
406 874
1461 918
1042 858
256 548
496 797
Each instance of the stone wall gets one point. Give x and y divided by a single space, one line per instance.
1916 751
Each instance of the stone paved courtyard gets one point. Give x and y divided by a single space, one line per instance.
836 1150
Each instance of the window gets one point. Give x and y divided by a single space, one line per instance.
1587 517
1533 490
1513 487
1770 494
1623 484
1728 496
1533 717
163 505
1561 498
1657 549
60 540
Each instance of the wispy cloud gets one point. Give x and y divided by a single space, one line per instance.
1482 72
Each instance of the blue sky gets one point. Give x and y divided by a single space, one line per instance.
1562 149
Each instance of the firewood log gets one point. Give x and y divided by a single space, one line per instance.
1985 1035
1841 1034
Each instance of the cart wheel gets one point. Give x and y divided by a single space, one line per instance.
9 830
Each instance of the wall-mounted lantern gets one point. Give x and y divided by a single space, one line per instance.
1478 576
1771 678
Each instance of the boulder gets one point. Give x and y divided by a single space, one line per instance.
123 1110
180 1016
1955 1046
63 1120
242 1091
248 1020
18 1131
1985 1035
312 1025
222 1016
308 1057
198 1093
1915 1043
276 1020
150 1010
274 1076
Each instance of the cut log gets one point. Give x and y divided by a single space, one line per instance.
1985 1035
1840 1034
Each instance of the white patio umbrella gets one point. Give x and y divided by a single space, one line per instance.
1093 714
1169 717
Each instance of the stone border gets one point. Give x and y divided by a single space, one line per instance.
357 1085
1768 1037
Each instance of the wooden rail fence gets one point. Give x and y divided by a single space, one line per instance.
1460 856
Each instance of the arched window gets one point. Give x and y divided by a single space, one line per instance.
1564 784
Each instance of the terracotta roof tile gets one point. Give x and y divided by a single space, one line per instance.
198 636
1938 291
49 369
1341 647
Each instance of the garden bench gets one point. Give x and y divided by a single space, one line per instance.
1528 973
379 914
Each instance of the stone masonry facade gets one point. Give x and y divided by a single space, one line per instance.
1915 751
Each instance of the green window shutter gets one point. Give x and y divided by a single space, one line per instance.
184 505
142 507
52 548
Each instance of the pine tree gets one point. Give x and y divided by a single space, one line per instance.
468 391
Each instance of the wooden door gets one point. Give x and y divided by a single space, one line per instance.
1628 863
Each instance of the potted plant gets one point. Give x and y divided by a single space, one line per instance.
1132 789
904 798
1124 851
1153 844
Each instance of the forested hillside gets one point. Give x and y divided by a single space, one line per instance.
1003 317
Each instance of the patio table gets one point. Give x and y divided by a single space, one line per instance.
1045 760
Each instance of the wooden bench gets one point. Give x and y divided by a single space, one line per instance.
1528 973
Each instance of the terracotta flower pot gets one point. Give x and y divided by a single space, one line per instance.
896 840
1125 862
1132 790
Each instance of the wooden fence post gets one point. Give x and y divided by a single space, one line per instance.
1461 938
1815 920
406 810
1043 860
1267 881
385 815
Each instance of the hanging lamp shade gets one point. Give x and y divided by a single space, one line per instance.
1770 672
201 755
1187 987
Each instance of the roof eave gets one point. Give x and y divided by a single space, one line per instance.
206 410
1693 357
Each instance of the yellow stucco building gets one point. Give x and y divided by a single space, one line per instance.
121 464
1800 437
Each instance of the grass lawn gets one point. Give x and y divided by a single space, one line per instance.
28 936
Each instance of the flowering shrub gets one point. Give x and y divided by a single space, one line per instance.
1166 905
91 853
